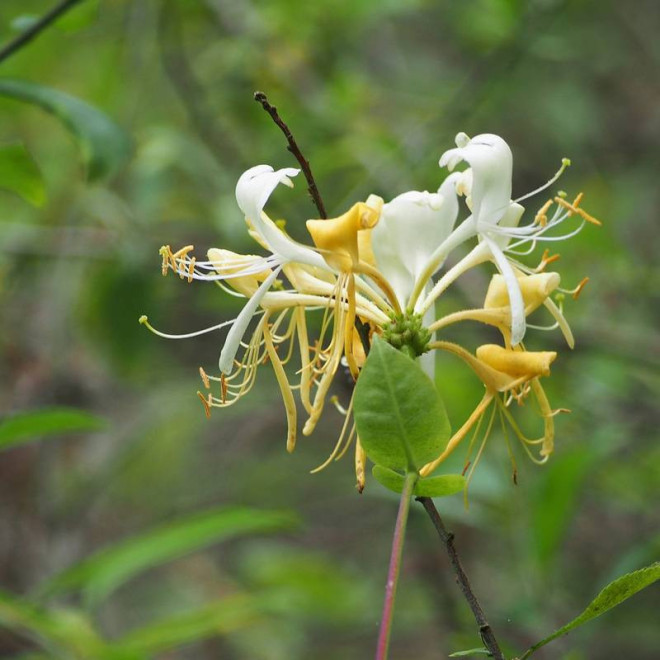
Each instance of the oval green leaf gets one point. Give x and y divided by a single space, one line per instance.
614 593
104 145
20 175
400 418
442 486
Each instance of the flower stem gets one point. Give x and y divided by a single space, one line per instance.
395 566
485 631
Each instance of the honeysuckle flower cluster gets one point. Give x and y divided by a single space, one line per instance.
379 269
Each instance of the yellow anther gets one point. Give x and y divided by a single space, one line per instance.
546 259
191 270
206 403
578 289
223 388
541 218
575 209
166 254
205 378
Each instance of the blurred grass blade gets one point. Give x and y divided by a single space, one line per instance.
61 632
104 145
212 620
613 594
27 426
19 174
106 570
470 653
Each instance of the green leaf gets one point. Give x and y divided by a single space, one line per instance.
103 572
19 174
614 593
27 426
104 145
442 486
400 418
65 633
469 652
212 620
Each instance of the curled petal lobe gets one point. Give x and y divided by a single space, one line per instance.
253 189
520 364
337 238
491 161
535 290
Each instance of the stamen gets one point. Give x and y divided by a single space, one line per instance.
145 321
574 209
565 162
205 378
166 253
541 218
206 403
578 289
191 269
223 387
546 259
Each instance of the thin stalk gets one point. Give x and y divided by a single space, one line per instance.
293 147
36 28
486 632
395 566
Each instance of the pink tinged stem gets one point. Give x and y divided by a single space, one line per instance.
395 565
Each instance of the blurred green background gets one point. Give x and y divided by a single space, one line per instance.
374 92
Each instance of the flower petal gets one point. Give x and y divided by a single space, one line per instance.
516 303
411 227
491 161
237 330
253 189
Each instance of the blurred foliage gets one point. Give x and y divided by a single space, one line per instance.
374 92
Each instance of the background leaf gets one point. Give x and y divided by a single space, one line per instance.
611 596
20 174
27 426
106 570
399 415
104 145
211 620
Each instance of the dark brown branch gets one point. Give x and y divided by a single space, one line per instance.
36 28
293 147
486 632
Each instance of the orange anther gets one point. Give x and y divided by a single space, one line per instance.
223 388
205 378
578 289
206 403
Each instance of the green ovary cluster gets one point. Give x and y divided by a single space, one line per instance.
406 333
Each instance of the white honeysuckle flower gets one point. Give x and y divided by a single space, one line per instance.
253 190
372 271
411 226
494 220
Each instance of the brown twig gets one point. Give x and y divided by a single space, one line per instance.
293 147
37 27
486 632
